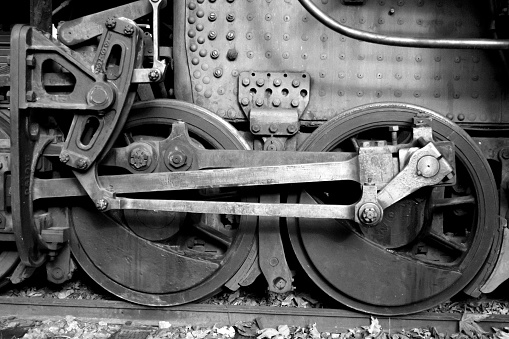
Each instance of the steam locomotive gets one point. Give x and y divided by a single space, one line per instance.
177 148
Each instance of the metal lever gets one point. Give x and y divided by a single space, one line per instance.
155 74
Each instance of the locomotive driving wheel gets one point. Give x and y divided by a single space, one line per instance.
9 257
428 246
164 258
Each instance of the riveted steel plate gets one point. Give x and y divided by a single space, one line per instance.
224 39
273 90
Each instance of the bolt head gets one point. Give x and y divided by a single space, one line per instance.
154 75
139 158
111 23
128 30
82 163
505 153
246 81
295 83
291 129
260 82
30 96
273 128
276 102
295 103
64 157
277 82
177 159
101 204
245 101
255 128
259 102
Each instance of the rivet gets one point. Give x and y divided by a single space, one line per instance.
399 58
195 61
456 96
418 58
304 37
208 93
191 33
191 20
457 59
392 11
360 93
286 18
230 35
231 113
397 93
436 94
200 14
198 88
218 72
267 36
450 116
360 75
381 21
457 77
475 77
268 17
206 80
212 35
197 74
192 6
212 16
193 47
214 54
304 56
203 53
475 95
230 17
437 77
324 37
475 59
400 21
250 17
438 58
286 37
199 27
379 57
417 76
461 117
286 55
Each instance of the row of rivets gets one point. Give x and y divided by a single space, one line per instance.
398 76
416 94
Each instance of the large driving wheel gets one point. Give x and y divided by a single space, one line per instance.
428 246
9 257
163 258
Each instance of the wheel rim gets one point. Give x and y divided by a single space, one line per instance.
9 257
422 268
164 270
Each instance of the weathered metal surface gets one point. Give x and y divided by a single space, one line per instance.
79 30
398 270
464 85
271 257
230 177
237 208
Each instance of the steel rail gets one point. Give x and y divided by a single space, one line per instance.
401 41
330 320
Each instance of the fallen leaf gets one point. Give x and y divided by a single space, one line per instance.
164 324
315 334
227 331
267 333
469 326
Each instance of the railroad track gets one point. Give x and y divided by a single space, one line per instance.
329 320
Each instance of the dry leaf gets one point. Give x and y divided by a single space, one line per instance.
267 333
374 328
469 326
227 331
164 324
314 332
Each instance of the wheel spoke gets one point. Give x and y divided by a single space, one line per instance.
213 234
446 241
455 201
